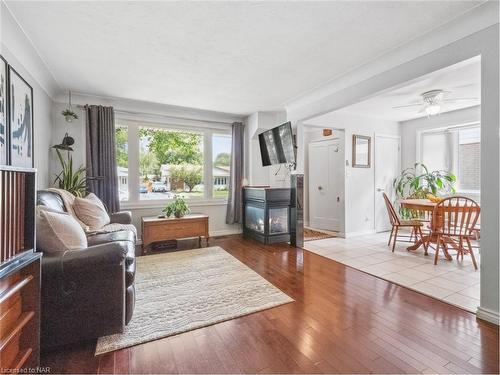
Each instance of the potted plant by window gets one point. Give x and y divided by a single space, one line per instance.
70 178
178 207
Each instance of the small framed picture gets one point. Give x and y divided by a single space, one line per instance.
361 151
4 131
21 121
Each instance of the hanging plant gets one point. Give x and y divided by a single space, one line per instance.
68 113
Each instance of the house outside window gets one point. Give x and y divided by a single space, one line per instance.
157 162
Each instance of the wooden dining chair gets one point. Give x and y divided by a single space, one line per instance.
397 223
455 219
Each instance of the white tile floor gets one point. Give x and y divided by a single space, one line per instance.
455 282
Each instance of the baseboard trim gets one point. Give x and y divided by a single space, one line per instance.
360 233
225 232
488 315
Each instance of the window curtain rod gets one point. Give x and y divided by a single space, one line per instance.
134 113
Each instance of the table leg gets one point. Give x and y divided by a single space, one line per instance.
417 244
444 242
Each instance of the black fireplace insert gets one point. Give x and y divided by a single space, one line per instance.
266 214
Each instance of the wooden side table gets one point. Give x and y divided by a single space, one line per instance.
156 229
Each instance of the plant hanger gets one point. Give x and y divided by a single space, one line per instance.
68 113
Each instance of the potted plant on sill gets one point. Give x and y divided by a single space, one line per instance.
178 207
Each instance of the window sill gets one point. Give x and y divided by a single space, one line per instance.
162 203
469 192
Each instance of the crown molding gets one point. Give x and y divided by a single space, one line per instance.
141 109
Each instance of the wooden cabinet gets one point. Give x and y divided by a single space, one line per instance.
20 314
156 229
19 273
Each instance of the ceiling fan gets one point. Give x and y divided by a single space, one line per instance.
432 100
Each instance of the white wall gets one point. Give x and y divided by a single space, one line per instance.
256 174
75 129
137 111
359 182
410 130
19 52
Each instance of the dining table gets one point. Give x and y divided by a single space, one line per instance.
436 221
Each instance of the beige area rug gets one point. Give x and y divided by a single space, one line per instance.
185 290
312 235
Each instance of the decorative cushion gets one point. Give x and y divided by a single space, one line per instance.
58 231
91 211
68 200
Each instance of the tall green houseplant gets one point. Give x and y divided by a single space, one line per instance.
417 182
71 179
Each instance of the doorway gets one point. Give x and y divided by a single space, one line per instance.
326 185
387 168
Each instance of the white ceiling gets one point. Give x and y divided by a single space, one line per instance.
237 57
462 80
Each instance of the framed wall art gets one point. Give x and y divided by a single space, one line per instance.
4 131
21 121
361 151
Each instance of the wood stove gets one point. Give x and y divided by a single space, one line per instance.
266 214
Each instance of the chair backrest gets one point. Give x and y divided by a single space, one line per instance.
50 199
393 216
455 216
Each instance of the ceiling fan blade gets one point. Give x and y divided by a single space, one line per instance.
407 106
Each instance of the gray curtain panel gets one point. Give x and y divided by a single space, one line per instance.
102 179
234 202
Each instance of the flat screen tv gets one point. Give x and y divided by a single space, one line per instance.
276 145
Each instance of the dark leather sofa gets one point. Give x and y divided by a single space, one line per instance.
87 293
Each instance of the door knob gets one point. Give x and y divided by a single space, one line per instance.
380 189
320 187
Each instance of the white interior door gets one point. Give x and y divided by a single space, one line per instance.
387 168
326 185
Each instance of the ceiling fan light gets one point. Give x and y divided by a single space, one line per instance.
432 109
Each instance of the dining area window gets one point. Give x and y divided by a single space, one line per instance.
456 150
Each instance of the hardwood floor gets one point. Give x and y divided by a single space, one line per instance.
342 321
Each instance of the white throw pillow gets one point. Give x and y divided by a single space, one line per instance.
58 231
91 211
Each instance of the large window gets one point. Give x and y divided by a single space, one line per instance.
456 149
170 163
469 159
159 162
